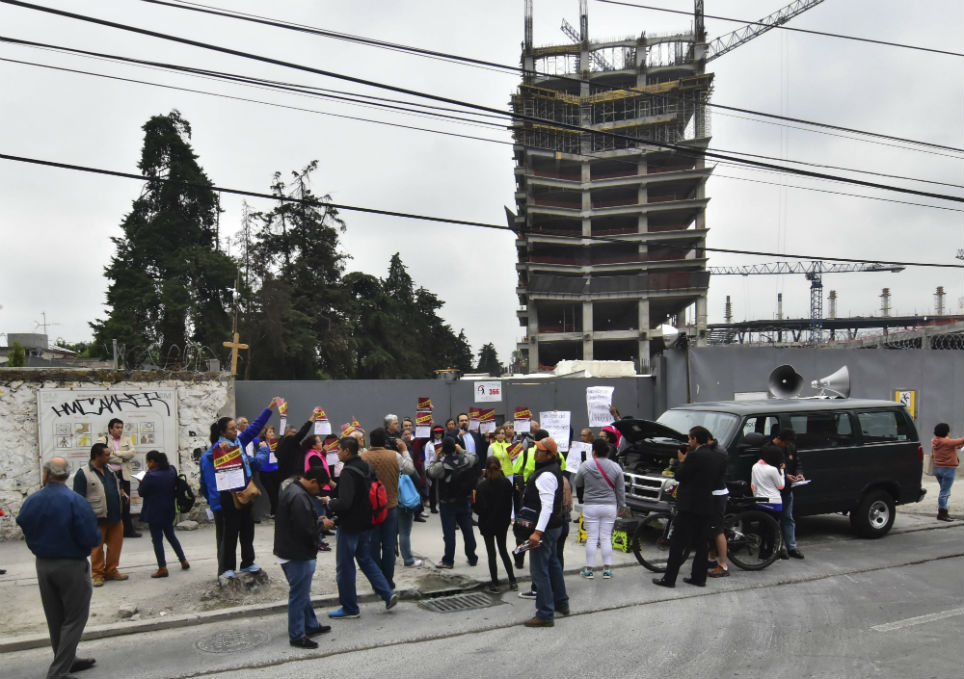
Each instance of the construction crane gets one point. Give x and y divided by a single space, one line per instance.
598 59
814 271
726 43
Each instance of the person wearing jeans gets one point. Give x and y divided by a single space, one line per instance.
604 494
946 461
295 544
353 517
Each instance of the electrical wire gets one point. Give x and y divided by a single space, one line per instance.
257 101
449 100
841 36
409 215
491 65
443 132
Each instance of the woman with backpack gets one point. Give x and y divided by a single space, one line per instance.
493 504
157 489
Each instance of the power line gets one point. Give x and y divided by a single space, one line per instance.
441 132
479 107
409 215
257 101
445 56
788 28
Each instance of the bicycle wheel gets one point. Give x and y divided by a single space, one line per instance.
651 542
752 539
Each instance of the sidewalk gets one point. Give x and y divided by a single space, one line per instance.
187 597
192 596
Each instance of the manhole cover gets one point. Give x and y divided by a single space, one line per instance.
230 641
459 602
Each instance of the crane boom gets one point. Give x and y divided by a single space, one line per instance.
814 271
570 30
730 41
806 268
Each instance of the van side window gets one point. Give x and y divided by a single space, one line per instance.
883 425
822 430
768 425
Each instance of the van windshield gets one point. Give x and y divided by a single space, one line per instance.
721 425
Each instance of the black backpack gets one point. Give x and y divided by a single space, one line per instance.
461 481
183 495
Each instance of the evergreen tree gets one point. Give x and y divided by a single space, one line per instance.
169 282
489 361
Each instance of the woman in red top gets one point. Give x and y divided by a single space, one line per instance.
944 450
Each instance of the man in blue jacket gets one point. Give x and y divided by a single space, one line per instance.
61 530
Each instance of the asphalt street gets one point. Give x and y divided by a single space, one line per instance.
853 608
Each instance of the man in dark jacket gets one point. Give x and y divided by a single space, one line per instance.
353 517
456 474
60 528
701 471
783 450
542 503
296 531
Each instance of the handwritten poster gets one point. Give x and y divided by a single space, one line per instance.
598 400
579 452
70 421
556 422
423 423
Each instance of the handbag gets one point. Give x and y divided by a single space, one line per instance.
929 465
245 497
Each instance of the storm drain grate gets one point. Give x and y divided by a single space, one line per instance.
230 641
459 602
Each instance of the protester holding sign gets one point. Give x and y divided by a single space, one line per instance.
236 501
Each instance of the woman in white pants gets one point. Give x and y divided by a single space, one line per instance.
603 497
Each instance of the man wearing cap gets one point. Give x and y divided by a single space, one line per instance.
542 503
61 530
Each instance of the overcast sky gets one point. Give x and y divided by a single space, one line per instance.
57 224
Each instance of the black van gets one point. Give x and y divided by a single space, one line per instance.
862 457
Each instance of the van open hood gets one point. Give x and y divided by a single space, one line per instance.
639 430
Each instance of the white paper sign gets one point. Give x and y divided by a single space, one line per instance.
229 479
556 422
521 426
486 392
574 458
332 459
486 427
598 400
322 427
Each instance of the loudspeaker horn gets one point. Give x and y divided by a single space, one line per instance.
784 382
838 384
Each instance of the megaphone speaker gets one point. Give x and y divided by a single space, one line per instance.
784 382
838 383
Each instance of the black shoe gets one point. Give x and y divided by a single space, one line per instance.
795 553
784 554
691 581
132 534
662 582
434 510
81 664
315 631
418 518
473 562
304 642
563 611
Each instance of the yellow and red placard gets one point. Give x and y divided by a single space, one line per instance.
331 446
487 415
423 417
229 458
424 403
273 444
514 450
282 406
522 414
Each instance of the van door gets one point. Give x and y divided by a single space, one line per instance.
754 433
828 458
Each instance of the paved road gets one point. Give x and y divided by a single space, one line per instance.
853 608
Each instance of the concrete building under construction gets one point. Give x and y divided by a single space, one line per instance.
610 178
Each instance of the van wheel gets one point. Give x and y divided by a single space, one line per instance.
874 515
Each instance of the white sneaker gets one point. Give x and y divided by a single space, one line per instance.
414 564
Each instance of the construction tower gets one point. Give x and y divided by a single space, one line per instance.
610 216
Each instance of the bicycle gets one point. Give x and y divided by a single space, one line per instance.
753 537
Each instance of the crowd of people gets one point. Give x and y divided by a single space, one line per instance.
367 490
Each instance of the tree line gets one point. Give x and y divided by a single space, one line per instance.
173 291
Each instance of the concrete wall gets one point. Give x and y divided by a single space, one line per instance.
201 398
716 373
370 400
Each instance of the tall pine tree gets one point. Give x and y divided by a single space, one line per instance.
169 282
